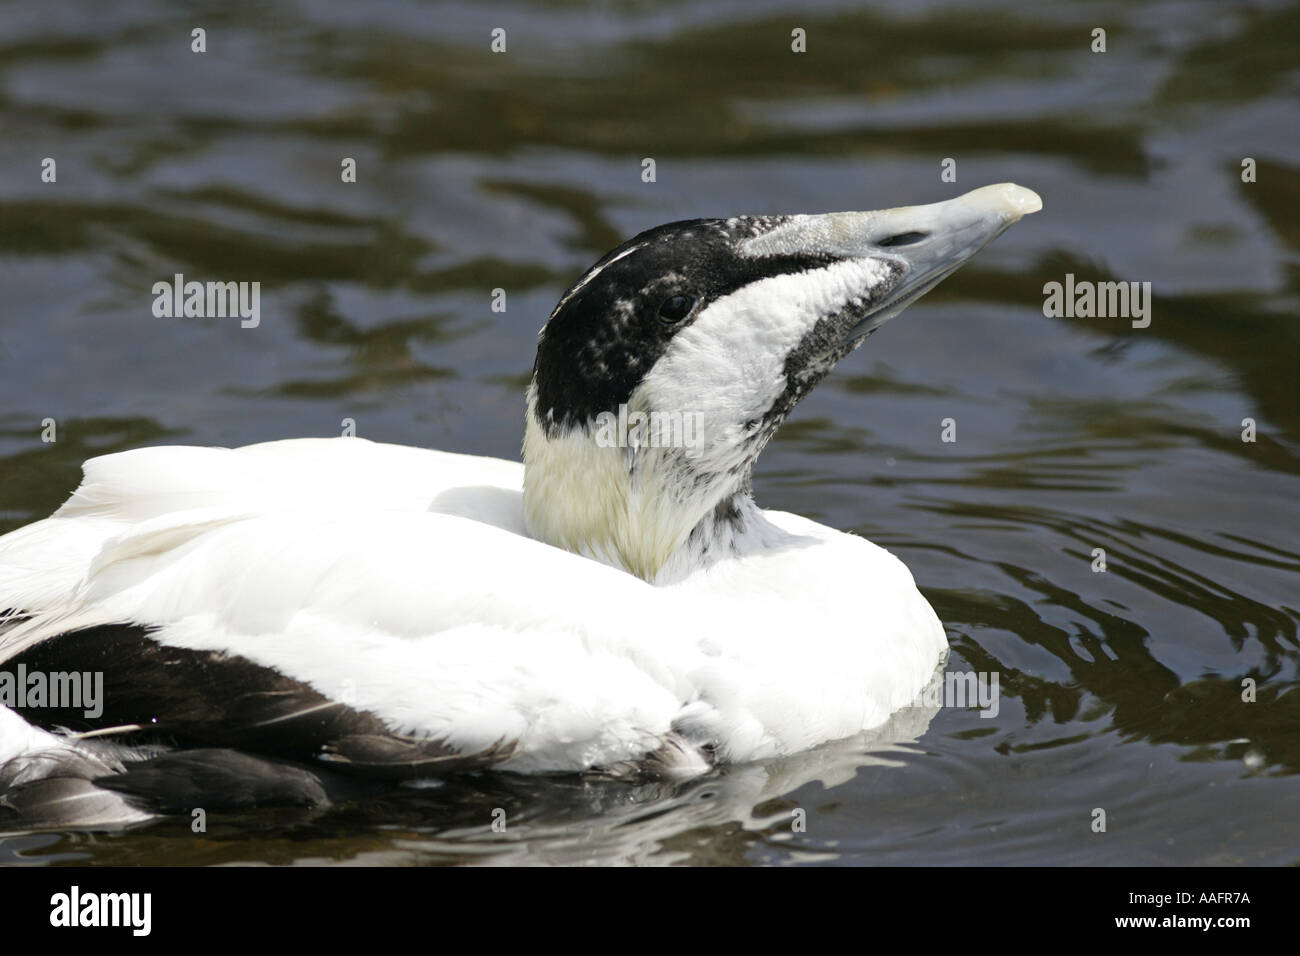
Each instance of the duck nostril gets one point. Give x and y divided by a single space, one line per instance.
903 239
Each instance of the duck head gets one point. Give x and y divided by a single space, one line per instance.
669 365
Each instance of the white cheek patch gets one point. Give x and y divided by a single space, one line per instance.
729 364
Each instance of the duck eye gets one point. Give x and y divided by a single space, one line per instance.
675 308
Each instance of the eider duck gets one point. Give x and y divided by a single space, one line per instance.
273 621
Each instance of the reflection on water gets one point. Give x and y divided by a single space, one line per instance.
724 818
1120 689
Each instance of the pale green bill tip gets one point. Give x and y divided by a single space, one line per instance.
1013 199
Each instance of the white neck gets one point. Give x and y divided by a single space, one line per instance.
646 511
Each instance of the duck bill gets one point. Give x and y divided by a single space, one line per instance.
923 244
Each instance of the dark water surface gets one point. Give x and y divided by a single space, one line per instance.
1120 690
